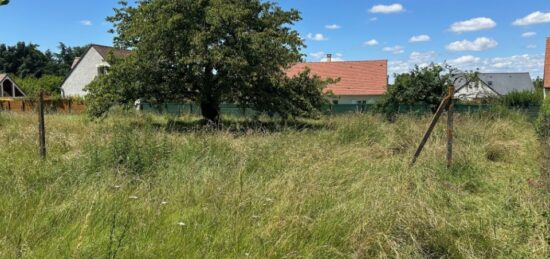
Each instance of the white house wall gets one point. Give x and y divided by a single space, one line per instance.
83 74
475 91
346 99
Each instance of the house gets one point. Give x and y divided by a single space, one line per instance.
8 87
86 68
547 70
360 82
493 85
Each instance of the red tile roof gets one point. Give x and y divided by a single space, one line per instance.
356 77
547 65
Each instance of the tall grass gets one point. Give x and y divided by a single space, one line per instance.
135 186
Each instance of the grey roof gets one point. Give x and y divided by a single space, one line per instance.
504 83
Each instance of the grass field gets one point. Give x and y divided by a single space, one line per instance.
148 186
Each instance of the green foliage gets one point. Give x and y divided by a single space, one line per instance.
32 86
539 85
299 96
26 60
127 188
543 122
209 52
523 99
4 2
130 152
426 86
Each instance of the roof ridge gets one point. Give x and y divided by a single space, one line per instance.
350 61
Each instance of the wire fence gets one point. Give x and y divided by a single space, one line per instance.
336 109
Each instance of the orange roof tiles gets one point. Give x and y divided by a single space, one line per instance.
547 65
356 77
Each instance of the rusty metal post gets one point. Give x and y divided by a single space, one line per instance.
428 133
41 126
450 126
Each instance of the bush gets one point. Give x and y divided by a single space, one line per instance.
543 122
32 85
426 86
523 99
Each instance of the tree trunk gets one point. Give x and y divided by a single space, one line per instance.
210 110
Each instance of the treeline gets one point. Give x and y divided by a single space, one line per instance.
36 70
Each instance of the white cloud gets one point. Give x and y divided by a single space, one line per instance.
394 49
372 42
463 60
317 55
422 58
420 38
373 19
531 46
316 37
475 24
333 27
386 9
86 22
533 64
533 18
528 34
479 44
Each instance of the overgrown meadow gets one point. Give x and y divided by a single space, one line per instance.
149 186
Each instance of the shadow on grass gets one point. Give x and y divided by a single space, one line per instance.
240 127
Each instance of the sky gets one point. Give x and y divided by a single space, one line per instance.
488 35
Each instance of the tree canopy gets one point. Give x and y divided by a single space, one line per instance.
36 70
4 2
25 60
422 85
209 52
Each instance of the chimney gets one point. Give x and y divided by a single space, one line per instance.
329 57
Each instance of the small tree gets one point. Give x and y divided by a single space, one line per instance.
426 85
209 52
423 85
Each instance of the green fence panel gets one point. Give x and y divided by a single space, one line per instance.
334 109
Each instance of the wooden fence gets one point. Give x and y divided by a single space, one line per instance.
50 104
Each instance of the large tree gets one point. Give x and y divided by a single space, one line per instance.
209 51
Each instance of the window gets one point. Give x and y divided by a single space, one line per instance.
335 102
102 70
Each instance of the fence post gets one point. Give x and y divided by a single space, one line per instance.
41 126
450 124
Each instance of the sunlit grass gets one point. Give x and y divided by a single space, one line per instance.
135 186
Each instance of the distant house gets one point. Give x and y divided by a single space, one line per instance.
494 85
360 82
547 70
8 87
86 68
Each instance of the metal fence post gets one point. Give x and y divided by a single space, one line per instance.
450 128
41 126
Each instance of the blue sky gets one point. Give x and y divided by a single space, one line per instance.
492 35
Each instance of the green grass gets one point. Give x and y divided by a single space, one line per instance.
152 187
